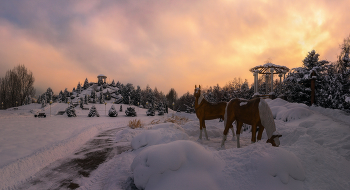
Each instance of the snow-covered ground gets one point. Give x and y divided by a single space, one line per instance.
314 151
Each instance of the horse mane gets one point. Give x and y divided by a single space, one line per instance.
266 118
201 97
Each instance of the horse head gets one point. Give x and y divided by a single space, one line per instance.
274 140
197 91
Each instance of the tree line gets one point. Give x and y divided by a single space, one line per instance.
332 83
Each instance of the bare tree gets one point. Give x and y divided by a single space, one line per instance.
16 85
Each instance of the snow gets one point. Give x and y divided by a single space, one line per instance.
314 152
159 134
243 103
176 165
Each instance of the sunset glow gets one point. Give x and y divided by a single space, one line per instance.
165 44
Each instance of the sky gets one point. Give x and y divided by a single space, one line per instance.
165 43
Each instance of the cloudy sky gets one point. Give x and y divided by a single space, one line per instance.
165 43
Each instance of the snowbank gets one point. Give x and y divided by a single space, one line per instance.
293 114
282 110
159 134
261 166
176 165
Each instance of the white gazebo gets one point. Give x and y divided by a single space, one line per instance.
102 77
268 69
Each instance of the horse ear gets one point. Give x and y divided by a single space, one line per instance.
195 86
199 86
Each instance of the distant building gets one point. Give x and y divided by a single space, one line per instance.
102 77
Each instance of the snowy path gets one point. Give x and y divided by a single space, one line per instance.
65 173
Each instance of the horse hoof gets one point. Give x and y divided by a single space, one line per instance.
199 140
208 139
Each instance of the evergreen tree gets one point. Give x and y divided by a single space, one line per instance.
86 99
297 83
343 67
93 112
171 97
43 101
49 94
113 83
118 85
136 96
100 98
108 95
79 88
93 95
81 103
70 111
112 112
86 84
126 92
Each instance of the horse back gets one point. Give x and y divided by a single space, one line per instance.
246 111
210 111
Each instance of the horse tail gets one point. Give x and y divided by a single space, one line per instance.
225 116
266 118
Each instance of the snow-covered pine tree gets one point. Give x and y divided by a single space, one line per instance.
343 68
70 111
298 85
108 95
86 84
43 101
79 88
86 99
48 94
81 102
126 92
112 112
93 112
118 85
113 83
93 96
100 98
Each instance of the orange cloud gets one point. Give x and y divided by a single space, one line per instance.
166 44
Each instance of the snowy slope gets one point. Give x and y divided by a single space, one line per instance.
314 151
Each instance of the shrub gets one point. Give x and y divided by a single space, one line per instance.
136 123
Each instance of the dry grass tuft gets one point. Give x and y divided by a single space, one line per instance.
136 123
176 119
156 121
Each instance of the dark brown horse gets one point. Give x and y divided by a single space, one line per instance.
255 112
206 110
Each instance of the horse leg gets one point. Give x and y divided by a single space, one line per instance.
205 130
261 129
253 133
228 122
200 129
238 132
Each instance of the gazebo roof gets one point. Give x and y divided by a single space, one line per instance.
265 69
101 75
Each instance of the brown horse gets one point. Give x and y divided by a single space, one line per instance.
255 112
206 110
